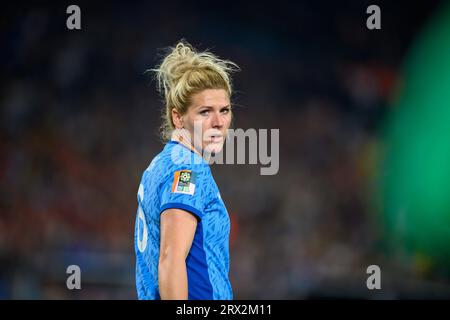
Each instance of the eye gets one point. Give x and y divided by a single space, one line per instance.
204 113
225 110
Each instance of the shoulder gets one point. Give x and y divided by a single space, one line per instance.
177 157
177 164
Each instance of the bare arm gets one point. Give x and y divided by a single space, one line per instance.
177 233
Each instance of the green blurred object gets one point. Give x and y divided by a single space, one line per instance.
415 181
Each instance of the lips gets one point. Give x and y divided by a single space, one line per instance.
215 138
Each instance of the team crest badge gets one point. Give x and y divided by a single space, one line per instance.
184 182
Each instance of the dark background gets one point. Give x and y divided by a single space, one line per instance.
79 124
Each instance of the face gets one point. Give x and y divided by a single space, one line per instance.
210 112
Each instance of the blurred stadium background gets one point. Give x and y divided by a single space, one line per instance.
364 144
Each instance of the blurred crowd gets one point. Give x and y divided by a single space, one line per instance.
80 121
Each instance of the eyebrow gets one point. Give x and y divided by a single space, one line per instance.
210 107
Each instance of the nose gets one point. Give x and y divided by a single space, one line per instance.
217 120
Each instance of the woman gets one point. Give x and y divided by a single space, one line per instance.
182 225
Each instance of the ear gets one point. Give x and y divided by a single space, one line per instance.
177 119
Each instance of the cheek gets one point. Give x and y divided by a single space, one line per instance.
206 124
227 120
192 123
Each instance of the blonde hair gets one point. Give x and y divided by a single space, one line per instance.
184 72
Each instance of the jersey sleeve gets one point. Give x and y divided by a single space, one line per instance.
185 189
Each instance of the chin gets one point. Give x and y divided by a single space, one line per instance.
213 148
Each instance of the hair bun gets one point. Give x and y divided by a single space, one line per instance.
182 59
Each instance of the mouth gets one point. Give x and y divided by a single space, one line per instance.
215 138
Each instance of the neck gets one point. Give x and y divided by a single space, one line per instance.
187 143
205 155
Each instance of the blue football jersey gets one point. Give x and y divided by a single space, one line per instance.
179 178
